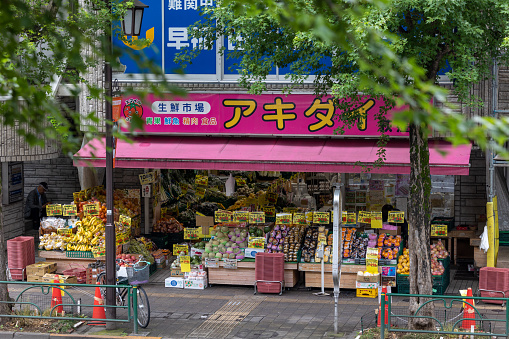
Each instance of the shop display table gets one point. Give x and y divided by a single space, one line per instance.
245 274
452 240
313 277
64 263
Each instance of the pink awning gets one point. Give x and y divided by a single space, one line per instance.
272 154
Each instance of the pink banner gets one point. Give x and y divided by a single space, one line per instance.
245 114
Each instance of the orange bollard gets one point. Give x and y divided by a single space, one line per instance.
56 297
386 320
468 313
99 312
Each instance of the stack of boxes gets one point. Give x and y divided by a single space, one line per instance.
93 271
196 279
36 272
64 279
367 285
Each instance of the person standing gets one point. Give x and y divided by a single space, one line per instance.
35 206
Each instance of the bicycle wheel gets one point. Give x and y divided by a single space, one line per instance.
143 308
101 279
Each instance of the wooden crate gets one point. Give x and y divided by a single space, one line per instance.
313 278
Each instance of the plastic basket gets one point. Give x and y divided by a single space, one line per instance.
79 254
138 275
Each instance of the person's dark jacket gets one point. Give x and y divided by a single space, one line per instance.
33 202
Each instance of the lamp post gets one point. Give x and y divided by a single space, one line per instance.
131 25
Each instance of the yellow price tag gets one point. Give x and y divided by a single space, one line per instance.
185 263
240 216
376 220
222 216
283 218
321 217
69 210
256 217
179 249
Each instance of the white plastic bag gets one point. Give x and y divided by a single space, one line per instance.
485 245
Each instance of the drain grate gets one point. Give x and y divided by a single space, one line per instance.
222 322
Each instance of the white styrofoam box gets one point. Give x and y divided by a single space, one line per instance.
174 282
122 272
200 284
359 284
251 252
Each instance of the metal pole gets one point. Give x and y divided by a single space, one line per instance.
382 317
135 308
110 227
336 249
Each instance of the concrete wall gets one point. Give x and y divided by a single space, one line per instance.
14 224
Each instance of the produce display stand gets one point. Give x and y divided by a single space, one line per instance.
245 274
65 263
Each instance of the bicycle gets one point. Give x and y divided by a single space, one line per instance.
136 275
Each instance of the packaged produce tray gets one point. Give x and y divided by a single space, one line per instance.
79 254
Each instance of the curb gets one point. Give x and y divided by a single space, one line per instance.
33 335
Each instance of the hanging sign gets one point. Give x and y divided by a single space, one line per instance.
376 220
270 211
299 219
183 187
124 220
256 217
396 217
191 233
178 249
185 263
222 216
283 218
212 262
321 218
147 178
372 260
438 230
272 198
240 181
200 191
240 216
91 209
201 180
69 210
364 217
230 264
351 218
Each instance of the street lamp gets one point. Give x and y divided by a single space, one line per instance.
133 15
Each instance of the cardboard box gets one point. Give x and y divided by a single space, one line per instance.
161 265
195 284
364 285
174 282
368 279
393 232
176 272
41 269
34 278
251 252
204 221
64 279
92 274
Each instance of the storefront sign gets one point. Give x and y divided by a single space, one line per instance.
283 219
256 217
222 216
230 263
321 218
147 178
179 249
376 220
438 230
240 216
69 210
191 233
299 219
396 217
266 114
185 263
212 262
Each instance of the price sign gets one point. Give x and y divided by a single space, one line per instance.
185 263
283 218
240 181
191 233
91 209
52 210
344 216
212 262
240 216
396 217
321 217
147 178
230 264
322 239
184 187
364 217
290 210
376 220
351 218
256 242
201 180
222 216
309 217
270 211
69 210
124 220
76 197
272 198
256 217
178 249
299 219
372 260
200 191
438 230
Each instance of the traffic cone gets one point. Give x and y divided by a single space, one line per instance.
386 319
98 308
468 312
56 297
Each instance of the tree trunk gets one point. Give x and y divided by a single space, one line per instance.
4 294
419 228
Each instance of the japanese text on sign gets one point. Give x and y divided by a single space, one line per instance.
191 233
222 216
185 263
283 218
364 217
69 210
270 211
256 242
376 220
230 263
351 218
124 220
202 180
52 210
396 217
372 260
240 216
256 217
438 230
299 219
321 217
179 249
147 178
91 209
211 262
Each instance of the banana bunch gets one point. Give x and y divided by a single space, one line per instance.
90 233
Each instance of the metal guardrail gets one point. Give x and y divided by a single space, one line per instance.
46 288
448 302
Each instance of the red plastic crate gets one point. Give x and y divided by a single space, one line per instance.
494 283
20 254
269 272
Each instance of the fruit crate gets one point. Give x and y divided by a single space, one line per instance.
367 292
449 221
440 283
79 254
